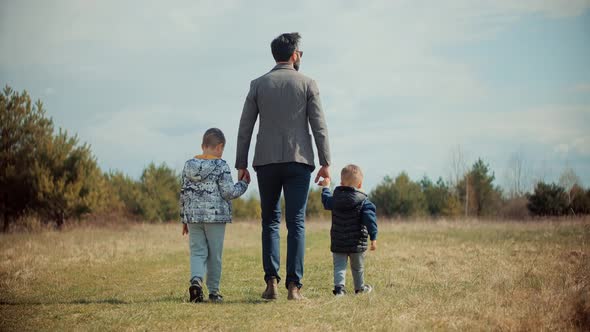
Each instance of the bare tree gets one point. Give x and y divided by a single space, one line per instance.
517 175
457 165
459 172
568 180
540 172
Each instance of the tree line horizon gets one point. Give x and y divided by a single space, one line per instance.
51 175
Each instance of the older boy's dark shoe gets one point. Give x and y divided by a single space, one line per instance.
272 290
215 297
339 290
294 293
195 291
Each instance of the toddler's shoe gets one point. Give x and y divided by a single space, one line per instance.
339 290
195 291
215 297
364 290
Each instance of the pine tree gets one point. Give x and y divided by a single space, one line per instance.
23 129
483 197
548 200
50 175
440 201
160 187
399 197
579 200
69 182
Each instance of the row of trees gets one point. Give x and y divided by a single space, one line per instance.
554 200
51 174
474 194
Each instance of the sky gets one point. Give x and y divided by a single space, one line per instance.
403 83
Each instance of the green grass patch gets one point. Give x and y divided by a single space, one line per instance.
427 276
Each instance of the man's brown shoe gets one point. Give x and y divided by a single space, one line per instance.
294 293
272 290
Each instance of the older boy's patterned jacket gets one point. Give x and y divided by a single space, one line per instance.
207 190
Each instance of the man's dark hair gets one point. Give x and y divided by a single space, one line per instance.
284 45
213 137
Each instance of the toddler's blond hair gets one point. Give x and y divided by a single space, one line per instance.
351 175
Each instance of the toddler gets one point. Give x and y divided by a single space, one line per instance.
354 222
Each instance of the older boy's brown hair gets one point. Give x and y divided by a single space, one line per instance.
351 175
213 137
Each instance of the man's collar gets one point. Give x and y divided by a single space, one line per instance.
283 66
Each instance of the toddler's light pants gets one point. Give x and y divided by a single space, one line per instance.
357 267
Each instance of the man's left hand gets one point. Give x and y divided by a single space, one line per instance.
243 174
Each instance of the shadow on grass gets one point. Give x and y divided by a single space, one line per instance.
115 301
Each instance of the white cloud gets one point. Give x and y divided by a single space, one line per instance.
562 149
136 136
139 135
553 125
582 88
581 145
550 8
72 31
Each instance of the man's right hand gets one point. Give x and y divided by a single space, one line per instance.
324 172
244 175
324 183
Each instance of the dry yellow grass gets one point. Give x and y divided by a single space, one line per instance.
427 276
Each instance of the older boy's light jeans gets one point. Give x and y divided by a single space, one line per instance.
206 249
357 267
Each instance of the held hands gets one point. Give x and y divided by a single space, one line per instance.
373 245
324 173
324 182
244 175
184 229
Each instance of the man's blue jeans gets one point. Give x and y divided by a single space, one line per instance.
293 179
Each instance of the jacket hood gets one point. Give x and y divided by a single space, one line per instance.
201 169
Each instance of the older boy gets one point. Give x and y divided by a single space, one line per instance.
205 209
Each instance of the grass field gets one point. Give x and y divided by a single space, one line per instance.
427 276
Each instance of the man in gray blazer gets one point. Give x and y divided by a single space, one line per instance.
287 103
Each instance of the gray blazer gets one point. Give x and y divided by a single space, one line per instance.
286 101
